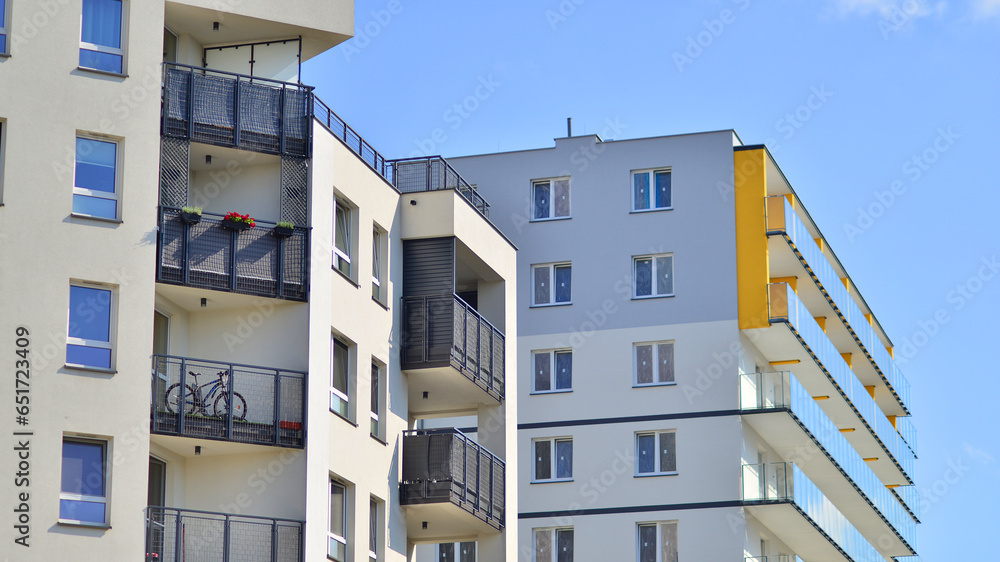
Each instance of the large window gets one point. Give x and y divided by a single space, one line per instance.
91 327
553 460
340 378
658 542
553 545
656 453
650 190
456 552
550 199
653 276
3 27
653 363
378 388
553 371
336 548
343 224
102 32
551 284
95 181
83 497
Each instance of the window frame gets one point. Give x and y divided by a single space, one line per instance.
341 257
553 446
552 208
553 368
552 269
457 554
95 344
651 177
116 195
374 526
4 32
104 49
656 457
655 355
659 539
330 535
378 393
378 264
342 395
554 533
653 277
105 445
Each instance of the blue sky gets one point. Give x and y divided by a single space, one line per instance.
881 114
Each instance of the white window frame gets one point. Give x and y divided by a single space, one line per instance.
553 460
342 206
332 537
659 539
377 416
653 276
378 263
374 525
553 533
458 553
106 473
5 33
651 176
553 376
112 326
116 196
656 457
552 267
120 51
552 207
655 353
334 391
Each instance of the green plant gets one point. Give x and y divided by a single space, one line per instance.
286 224
236 217
192 210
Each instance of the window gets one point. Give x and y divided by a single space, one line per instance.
377 399
551 284
550 199
658 542
650 190
553 371
553 545
3 27
95 181
83 498
91 327
653 276
342 225
553 460
456 552
656 453
378 237
373 527
336 548
653 363
340 381
102 30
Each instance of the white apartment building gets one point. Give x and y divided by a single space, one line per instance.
700 379
224 313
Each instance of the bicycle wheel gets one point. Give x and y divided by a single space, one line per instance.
174 399
239 409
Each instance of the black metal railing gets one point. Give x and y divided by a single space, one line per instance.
227 401
432 173
183 535
340 129
254 262
236 110
444 465
445 330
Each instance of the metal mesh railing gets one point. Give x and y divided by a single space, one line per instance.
433 173
253 262
227 401
442 465
186 535
295 190
235 110
340 129
174 170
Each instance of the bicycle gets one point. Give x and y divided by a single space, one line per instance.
195 401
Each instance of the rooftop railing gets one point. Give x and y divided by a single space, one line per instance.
433 173
776 558
186 535
340 129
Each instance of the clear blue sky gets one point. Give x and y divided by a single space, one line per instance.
846 93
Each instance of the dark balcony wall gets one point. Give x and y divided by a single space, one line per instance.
429 267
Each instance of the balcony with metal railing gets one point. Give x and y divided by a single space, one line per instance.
433 173
452 483
260 261
186 535
227 401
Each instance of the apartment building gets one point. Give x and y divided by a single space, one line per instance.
700 378
225 314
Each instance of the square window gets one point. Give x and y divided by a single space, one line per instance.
337 535
656 453
653 276
553 371
83 497
653 363
553 460
551 284
550 199
91 327
553 545
657 542
95 179
651 190
340 378
102 32
343 230
456 552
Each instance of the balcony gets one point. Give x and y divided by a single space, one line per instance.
268 405
411 175
788 417
447 345
185 535
782 220
340 129
785 308
252 262
452 484
780 496
237 111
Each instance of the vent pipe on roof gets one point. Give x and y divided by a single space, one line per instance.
569 126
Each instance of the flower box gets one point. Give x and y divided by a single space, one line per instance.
190 218
237 226
283 231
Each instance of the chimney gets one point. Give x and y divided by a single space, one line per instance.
569 126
